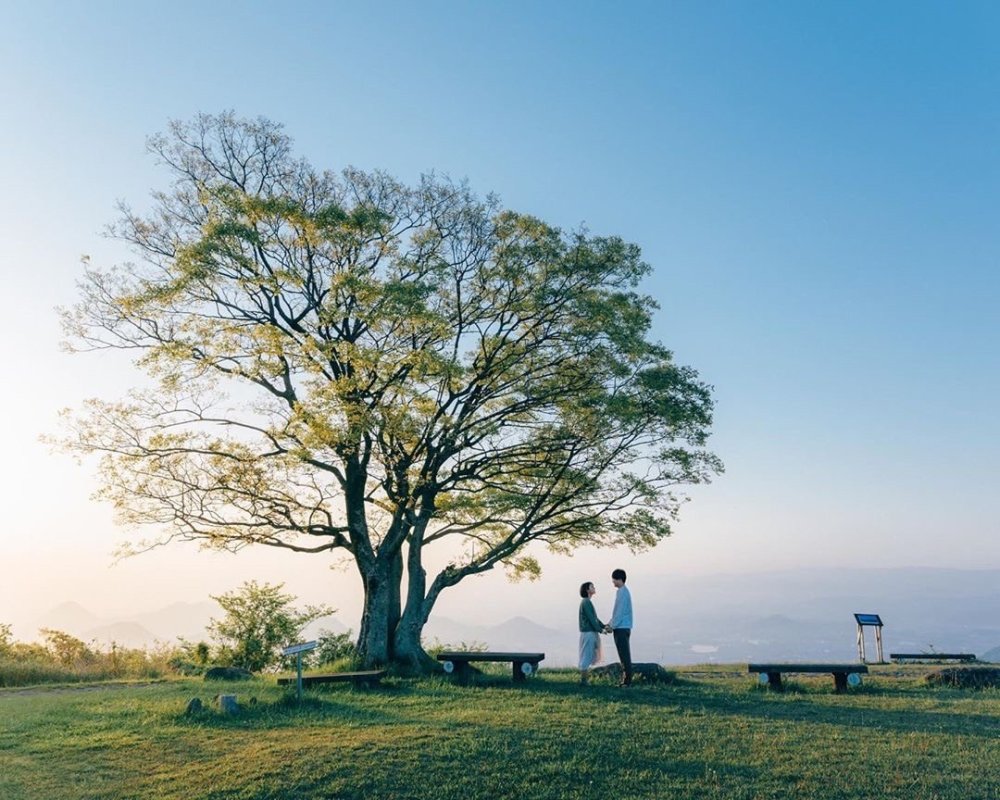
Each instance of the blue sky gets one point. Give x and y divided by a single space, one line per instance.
815 185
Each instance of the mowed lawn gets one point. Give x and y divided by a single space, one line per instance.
712 734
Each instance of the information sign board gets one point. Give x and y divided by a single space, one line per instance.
291 650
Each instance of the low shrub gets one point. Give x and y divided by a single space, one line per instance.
227 674
16 671
641 673
334 648
345 664
436 647
62 658
965 677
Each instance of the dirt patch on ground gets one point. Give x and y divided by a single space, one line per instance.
64 688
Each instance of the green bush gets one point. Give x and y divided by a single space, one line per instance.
190 658
965 677
435 647
63 658
259 620
334 648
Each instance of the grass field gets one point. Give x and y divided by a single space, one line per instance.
711 734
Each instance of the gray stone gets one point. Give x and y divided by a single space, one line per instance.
645 672
228 704
194 706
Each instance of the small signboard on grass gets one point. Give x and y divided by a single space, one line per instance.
297 650
871 621
294 649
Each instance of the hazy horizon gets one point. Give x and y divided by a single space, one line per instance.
797 614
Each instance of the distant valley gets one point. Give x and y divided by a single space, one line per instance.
794 614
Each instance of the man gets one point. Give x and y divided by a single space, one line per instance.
621 625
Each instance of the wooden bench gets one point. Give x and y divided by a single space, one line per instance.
932 656
843 674
457 661
366 678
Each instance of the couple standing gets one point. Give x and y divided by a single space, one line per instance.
620 627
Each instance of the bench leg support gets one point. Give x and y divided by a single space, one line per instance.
774 681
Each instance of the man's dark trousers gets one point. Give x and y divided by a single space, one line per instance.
624 648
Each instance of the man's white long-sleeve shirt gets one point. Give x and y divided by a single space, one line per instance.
621 615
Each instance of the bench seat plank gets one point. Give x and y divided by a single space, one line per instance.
839 672
932 656
462 655
462 658
793 667
368 676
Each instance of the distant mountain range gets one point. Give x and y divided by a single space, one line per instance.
178 620
517 633
794 614
187 620
808 614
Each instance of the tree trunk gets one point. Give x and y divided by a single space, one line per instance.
395 579
381 575
408 648
375 638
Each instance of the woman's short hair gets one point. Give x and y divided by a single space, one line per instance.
584 587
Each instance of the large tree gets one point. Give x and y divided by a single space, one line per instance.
406 369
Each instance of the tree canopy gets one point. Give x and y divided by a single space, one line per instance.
344 362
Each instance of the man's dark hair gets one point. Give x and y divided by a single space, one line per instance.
618 575
583 588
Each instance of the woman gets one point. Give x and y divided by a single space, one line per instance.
590 632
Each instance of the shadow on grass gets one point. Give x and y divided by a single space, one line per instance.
458 759
678 694
865 717
567 679
491 778
793 705
288 710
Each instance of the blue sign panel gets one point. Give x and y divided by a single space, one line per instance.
868 619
